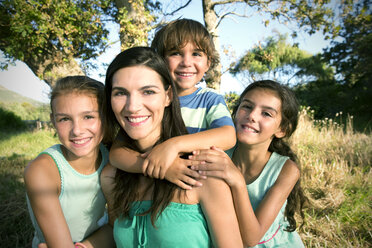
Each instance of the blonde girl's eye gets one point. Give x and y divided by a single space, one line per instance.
63 119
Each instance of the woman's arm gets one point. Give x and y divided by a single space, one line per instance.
253 224
42 184
217 204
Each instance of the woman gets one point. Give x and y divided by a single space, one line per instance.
141 102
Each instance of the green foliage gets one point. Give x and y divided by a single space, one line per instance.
27 111
45 33
10 121
352 56
231 100
278 59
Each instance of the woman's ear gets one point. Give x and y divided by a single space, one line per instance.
169 96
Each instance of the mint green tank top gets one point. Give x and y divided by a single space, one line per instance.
81 198
178 226
275 236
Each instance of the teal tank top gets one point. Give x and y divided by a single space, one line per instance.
275 236
81 198
178 226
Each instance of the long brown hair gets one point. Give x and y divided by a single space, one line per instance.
289 109
127 184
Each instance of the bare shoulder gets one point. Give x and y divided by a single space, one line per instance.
108 178
290 172
42 172
212 187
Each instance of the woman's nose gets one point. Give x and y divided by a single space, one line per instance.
133 104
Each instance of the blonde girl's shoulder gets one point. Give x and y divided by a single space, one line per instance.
42 173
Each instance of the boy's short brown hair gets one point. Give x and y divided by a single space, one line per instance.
178 33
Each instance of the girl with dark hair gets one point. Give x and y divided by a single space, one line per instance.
64 196
263 164
142 105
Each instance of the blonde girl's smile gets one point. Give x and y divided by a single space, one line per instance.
78 123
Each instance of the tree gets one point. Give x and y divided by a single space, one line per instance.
309 15
134 18
49 36
277 59
352 56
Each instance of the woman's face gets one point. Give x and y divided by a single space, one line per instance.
138 99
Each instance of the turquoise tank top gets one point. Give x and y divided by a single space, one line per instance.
275 236
178 226
81 198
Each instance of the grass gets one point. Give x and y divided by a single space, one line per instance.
16 150
336 176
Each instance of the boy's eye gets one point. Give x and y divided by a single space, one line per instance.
174 53
197 54
267 114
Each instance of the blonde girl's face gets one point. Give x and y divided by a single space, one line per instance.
138 100
258 118
187 67
78 123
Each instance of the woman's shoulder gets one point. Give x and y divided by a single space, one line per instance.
212 187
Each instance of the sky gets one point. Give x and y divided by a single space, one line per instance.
240 34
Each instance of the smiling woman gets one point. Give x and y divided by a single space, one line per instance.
140 103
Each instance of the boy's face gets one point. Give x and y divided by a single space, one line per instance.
187 67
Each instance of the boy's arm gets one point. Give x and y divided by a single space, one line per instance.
125 159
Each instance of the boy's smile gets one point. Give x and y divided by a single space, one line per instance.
187 67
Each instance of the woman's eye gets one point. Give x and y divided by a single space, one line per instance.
149 92
118 93
89 117
267 114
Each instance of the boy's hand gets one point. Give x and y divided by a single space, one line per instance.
181 175
215 162
160 158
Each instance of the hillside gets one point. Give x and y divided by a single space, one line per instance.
8 96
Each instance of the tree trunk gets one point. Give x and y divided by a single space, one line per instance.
134 23
213 77
50 70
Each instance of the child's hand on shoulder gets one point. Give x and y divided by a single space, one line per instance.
159 159
214 162
181 175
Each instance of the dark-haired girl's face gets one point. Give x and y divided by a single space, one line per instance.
138 100
258 117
